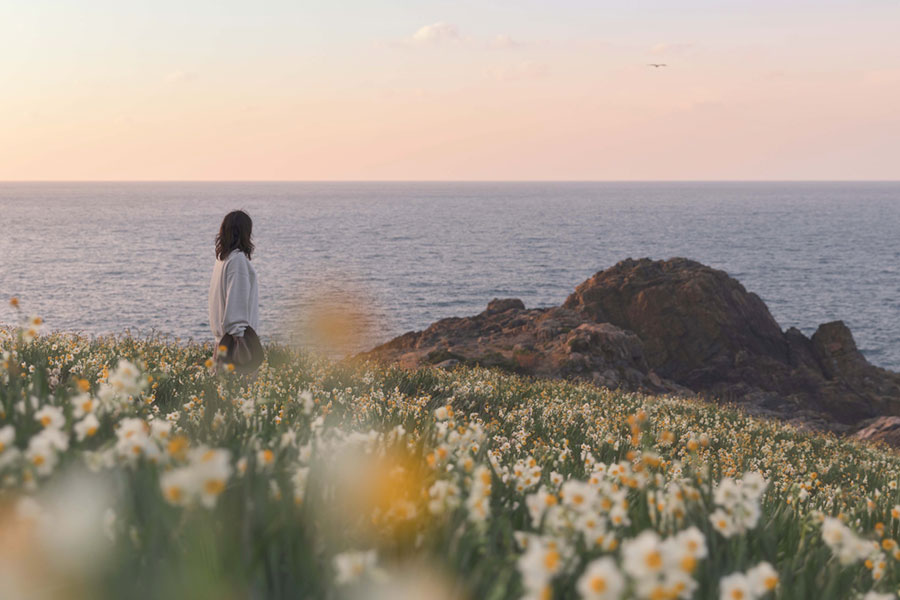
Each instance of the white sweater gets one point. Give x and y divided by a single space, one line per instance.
233 296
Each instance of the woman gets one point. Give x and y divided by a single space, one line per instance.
234 296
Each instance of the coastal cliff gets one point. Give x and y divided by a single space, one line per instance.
677 327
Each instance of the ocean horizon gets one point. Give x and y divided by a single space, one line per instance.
103 257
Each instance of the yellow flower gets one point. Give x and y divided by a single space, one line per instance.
214 487
173 493
178 447
551 560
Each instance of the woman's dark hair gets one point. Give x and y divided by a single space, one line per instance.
235 233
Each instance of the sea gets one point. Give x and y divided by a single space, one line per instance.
344 266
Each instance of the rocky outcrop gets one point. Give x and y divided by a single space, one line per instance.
669 326
554 342
882 429
694 320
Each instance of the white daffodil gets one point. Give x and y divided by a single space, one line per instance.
723 522
735 587
763 578
541 561
160 430
82 404
601 580
86 427
212 469
178 486
642 557
43 450
443 496
50 417
132 439
350 567
126 379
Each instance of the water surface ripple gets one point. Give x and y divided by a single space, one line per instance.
103 257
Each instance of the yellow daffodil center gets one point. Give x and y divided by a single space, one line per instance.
214 487
173 493
598 584
654 560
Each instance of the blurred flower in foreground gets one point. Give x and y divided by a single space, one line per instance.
203 479
335 321
601 580
53 545
755 583
351 567
845 544
32 328
412 582
376 486
738 504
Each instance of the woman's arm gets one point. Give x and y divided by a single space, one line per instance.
237 296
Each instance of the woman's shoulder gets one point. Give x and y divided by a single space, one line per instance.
236 254
237 259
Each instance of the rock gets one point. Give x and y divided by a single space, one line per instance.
498 305
613 343
554 342
688 315
800 350
882 429
704 330
835 348
674 326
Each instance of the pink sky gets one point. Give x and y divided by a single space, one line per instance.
449 91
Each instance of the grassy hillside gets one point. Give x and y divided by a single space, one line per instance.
129 469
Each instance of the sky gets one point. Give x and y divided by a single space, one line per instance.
449 90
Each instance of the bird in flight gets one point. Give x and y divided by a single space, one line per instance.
657 65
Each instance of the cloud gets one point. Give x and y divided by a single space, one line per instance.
447 33
529 69
504 41
181 77
436 33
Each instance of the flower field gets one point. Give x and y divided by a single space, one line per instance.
130 469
